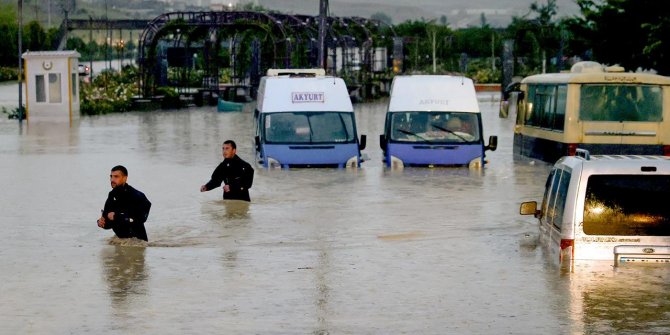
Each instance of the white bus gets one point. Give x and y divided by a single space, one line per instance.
601 109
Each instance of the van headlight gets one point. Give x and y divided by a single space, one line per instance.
352 162
396 163
475 163
273 163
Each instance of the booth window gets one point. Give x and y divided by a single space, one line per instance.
74 85
40 94
54 88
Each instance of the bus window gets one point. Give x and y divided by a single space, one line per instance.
546 108
621 103
559 118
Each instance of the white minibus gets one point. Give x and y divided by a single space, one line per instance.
434 121
305 120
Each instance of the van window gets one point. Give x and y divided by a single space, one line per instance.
309 127
557 197
547 189
630 205
435 127
621 103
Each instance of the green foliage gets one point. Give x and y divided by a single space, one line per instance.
632 33
110 92
34 37
170 97
9 73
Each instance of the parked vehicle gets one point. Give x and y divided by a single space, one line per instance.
601 109
84 70
305 119
434 121
606 208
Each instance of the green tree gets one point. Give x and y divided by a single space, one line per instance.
8 35
536 35
34 37
632 33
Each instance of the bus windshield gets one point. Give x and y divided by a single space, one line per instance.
435 127
627 205
309 127
621 103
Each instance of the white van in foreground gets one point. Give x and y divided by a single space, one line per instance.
305 120
606 208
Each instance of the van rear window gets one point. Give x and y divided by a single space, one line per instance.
630 205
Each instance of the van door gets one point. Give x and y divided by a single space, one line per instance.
553 206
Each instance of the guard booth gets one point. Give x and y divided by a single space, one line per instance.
52 85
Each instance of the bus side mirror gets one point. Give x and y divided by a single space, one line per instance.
364 142
530 208
382 142
493 143
257 140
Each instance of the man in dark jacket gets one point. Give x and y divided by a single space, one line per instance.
126 208
236 175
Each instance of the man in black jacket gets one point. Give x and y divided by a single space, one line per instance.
126 208
236 175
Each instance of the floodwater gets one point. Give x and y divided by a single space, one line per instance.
367 251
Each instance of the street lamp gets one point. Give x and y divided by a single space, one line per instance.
20 110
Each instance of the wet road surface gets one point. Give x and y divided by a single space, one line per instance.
368 251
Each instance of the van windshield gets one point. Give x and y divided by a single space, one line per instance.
632 205
309 127
621 103
435 127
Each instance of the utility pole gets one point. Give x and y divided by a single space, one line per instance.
20 110
493 52
323 15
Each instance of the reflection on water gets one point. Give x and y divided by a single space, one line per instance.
124 271
621 300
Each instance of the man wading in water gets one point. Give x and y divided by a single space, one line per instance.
126 208
236 174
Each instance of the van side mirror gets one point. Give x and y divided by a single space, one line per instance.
363 143
530 207
257 141
493 143
382 142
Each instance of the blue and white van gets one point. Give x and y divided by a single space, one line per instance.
434 121
305 121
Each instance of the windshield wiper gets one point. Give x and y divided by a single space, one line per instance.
449 131
407 132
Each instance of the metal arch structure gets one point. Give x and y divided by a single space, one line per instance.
172 22
293 40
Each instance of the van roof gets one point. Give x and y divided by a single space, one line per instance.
433 93
286 94
613 164
296 72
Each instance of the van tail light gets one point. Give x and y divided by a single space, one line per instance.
565 243
572 149
666 150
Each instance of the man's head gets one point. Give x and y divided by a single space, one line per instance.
229 149
118 176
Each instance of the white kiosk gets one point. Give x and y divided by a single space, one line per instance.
52 85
